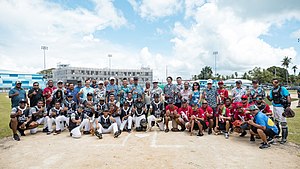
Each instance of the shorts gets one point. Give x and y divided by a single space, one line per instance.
19 124
204 126
269 132
222 126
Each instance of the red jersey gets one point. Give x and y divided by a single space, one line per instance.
198 113
223 112
172 109
47 93
186 110
208 110
242 116
223 93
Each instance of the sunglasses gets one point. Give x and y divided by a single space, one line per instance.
204 103
35 85
276 82
244 99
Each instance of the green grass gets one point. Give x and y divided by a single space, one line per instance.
294 127
4 115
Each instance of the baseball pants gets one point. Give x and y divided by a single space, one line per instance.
112 128
137 120
76 132
128 121
152 119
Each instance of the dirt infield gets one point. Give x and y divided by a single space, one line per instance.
154 149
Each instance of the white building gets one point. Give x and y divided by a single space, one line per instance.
66 73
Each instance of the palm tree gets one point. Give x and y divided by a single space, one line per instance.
285 63
294 69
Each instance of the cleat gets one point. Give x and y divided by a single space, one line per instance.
16 137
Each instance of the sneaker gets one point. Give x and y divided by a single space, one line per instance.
243 134
252 138
16 137
129 130
57 132
21 132
264 145
209 132
71 134
86 132
226 135
49 132
182 128
174 129
200 134
283 141
45 130
166 130
99 135
117 133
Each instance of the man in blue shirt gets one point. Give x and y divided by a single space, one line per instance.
77 90
136 89
281 99
263 126
112 88
16 94
85 90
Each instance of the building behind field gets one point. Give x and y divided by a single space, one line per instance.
67 73
8 79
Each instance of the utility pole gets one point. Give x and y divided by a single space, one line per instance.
44 48
215 53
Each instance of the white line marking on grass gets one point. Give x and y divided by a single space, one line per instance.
125 140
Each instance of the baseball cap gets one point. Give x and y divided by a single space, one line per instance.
220 82
255 81
22 101
253 107
210 81
156 95
106 109
18 82
244 97
155 81
239 105
101 98
184 100
60 81
135 78
170 101
100 82
112 78
239 82
89 94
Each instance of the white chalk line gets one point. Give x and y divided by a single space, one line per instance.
153 143
125 140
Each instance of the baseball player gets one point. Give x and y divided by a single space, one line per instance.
171 114
197 116
184 111
223 118
77 121
157 110
52 118
126 117
89 109
21 119
39 115
106 124
139 110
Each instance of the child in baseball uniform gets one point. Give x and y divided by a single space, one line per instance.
139 118
156 113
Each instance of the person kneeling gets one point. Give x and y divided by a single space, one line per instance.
20 120
223 118
197 116
106 124
77 122
263 126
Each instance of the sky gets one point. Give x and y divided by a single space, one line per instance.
179 36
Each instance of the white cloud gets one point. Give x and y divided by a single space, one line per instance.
154 9
236 39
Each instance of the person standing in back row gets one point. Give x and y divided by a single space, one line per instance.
16 94
35 94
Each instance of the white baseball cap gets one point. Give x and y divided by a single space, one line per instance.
112 78
209 81
100 82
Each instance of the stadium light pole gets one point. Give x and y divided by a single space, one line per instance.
109 62
215 53
44 48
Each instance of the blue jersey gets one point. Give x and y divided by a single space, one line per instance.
263 120
283 92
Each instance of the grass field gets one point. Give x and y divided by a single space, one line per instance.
294 123
4 115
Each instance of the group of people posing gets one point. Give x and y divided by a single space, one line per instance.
105 107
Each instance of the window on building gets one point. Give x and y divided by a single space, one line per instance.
133 73
72 72
104 73
146 73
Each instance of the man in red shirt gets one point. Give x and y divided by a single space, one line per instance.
209 116
223 118
197 116
184 111
241 116
265 108
223 93
171 114
47 93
